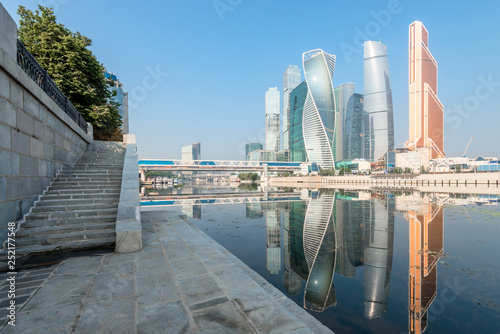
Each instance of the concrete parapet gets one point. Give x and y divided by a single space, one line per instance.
128 220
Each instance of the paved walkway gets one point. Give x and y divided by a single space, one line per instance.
183 282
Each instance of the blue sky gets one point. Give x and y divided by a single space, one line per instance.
198 70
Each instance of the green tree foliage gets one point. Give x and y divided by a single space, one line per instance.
327 172
248 176
75 70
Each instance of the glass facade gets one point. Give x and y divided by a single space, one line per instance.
319 110
426 113
379 123
272 119
297 100
343 95
291 79
250 147
191 152
121 97
353 128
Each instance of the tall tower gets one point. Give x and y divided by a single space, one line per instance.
273 119
379 122
291 79
426 111
319 109
343 94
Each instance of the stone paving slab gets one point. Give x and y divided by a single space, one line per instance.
182 282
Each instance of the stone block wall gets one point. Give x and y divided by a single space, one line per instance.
36 137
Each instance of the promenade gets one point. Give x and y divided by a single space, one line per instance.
182 282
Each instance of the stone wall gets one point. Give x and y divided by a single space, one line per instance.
36 137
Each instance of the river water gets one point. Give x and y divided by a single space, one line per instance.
363 261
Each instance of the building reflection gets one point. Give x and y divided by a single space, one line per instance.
335 232
425 218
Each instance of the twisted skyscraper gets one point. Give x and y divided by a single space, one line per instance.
319 109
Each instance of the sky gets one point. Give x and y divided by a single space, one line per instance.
198 70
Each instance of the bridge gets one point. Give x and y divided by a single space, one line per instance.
216 166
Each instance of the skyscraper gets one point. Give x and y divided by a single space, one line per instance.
191 152
273 119
426 113
319 109
353 128
121 97
297 101
343 94
291 79
379 122
250 147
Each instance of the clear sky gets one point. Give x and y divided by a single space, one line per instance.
198 70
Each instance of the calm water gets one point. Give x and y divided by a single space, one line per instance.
370 262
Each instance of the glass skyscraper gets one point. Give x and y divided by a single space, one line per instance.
191 152
250 147
353 128
291 79
319 110
379 123
343 94
297 101
121 97
273 119
426 127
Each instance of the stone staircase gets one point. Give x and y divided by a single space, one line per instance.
79 209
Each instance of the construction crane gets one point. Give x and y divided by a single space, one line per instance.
468 146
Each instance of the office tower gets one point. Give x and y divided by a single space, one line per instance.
250 147
291 79
273 242
319 110
121 97
273 119
343 94
191 152
379 123
426 113
353 128
296 136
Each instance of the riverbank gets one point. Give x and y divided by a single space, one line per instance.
487 183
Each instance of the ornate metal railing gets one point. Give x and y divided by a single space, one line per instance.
29 64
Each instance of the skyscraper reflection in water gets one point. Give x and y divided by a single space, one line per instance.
339 232
425 248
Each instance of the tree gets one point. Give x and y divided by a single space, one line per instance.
327 172
73 68
398 170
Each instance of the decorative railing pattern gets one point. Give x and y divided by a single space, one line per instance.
29 64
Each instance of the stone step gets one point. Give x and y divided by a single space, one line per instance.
95 168
60 229
53 199
65 174
71 214
64 246
74 207
72 202
64 238
85 187
89 178
68 221
82 182
82 191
